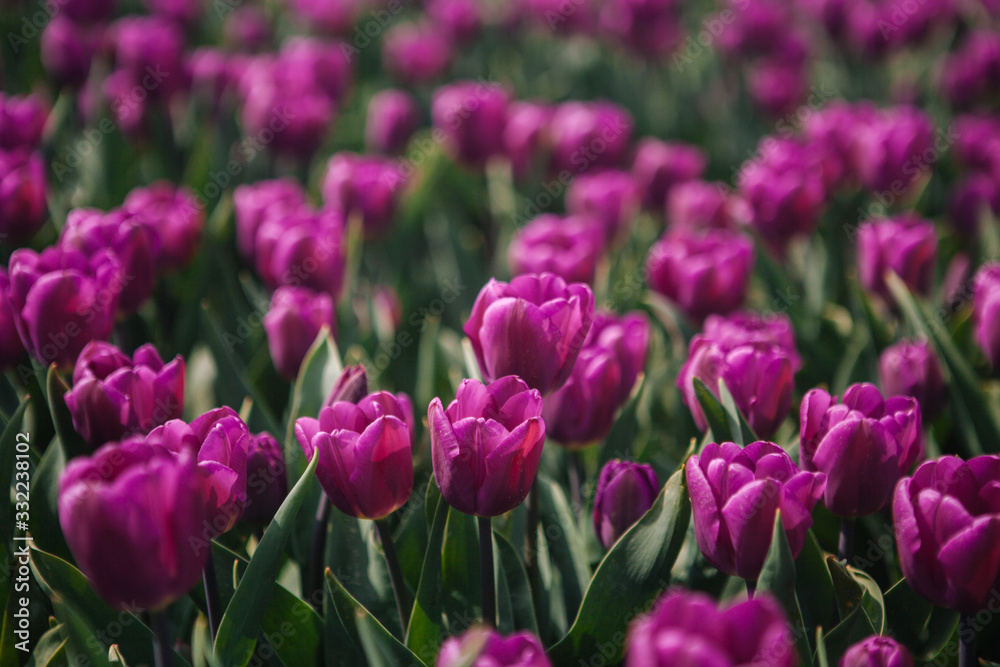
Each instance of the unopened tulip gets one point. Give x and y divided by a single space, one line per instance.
365 456
393 117
22 120
174 216
460 18
890 150
486 445
947 523
877 651
567 246
698 204
351 386
267 484
863 444
533 327
658 166
368 186
589 135
906 245
625 491
472 116
610 196
416 53
296 316
22 194
304 249
11 347
485 647
67 50
255 203
525 135
912 369
986 310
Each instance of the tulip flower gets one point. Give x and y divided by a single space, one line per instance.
625 491
334 17
532 327
393 117
460 18
967 70
365 459
176 218
971 202
698 204
304 249
114 396
67 50
351 386
472 117
267 485
525 135
649 28
416 53
247 28
589 135
658 166
947 524
986 310
129 513
486 445
906 245
735 494
11 347
485 647
911 368
876 651
89 11
889 150
703 273
22 193
367 186
149 44
296 316
686 628
568 247
611 196
22 120
258 202
863 444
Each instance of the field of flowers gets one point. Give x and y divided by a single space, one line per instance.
500 332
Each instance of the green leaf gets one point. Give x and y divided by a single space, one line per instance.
979 421
50 651
45 526
460 577
855 627
813 584
853 603
738 425
921 626
715 414
423 636
566 545
778 578
629 578
8 460
821 656
244 616
73 443
514 579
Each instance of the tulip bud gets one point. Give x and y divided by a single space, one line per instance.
977 141
986 310
876 651
471 115
334 17
589 135
365 456
486 445
735 494
184 12
970 71
651 28
89 11
948 531
267 484
296 316
889 149
533 327
247 28
175 217
863 445
609 196
906 244
305 248
485 647
912 369
625 491
416 53
393 117
130 514
11 347
525 135
686 628
258 202
351 386
67 50
22 120
460 19
150 49
368 186
658 166
22 194
972 201
695 204
703 273
568 247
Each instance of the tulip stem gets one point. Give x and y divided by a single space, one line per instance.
317 551
212 600
967 642
845 549
162 655
576 482
395 574
486 567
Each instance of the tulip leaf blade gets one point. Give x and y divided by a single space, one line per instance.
514 578
976 419
50 651
821 658
813 584
45 528
630 577
568 550
855 627
916 622
777 577
244 616
715 413
738 425
423 635
62 420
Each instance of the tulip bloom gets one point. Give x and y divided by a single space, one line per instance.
175 217
567 246
22 120
393 117
521 649
532 327
912 369
687 628
114 396
611 196
863 445
889 149
416 53
304 249
658 166
267 485
579 130
625 491
876 651
525 135
296 316
129 514
986 310
906 245
366 185
11 347
948 531
472 117
735 493
255 203
487 444
698 204
22 193
365 456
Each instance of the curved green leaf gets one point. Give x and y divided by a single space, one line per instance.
715 413
777 577
423 635
73 444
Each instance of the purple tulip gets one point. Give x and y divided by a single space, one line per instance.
393 117
485 647
876 651
890 150
267 485
703 273
67 50
255 203
351 386
589 135
296 316
756 360
583 410
129 513
910 368
114 396
247 28
88 11
658 166
972 202
830 133
567 246
149 50
22 194
905 244
625 491
948 531
175 217
460 19
735 494
986 310
365 185
183 12
62 300
472 117
365 453
334 17
686 628
610 196
525 135
416 53
305 248
532 327
650 28
310 62
22 119
11 347
971 72
486 446
556 16
863 444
